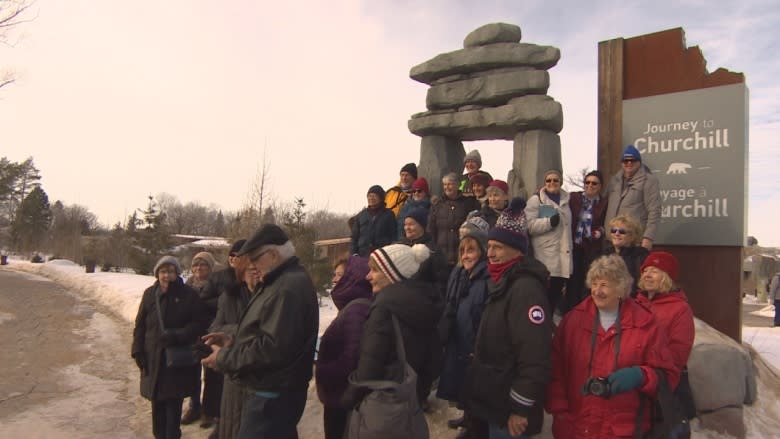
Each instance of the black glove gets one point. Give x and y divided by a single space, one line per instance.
555 220
140 360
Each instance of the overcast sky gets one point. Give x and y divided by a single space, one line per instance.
117 100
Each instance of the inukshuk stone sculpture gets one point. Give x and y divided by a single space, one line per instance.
493 88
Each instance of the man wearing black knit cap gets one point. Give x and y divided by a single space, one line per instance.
510 370
374 226
272 353
396 196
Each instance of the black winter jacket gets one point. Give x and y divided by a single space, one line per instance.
511 365
417 307
273 349
370 232
184 314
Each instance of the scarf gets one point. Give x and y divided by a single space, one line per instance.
556 198
584 226
498 270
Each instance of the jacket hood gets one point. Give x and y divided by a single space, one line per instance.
353 284
414 302
527 267
673 296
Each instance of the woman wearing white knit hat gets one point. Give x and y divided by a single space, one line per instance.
417 307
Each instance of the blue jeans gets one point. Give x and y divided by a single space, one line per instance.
276 417
496 432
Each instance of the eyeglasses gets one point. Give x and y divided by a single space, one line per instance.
591 183
630 160
619 231
552 180
418 191
254 258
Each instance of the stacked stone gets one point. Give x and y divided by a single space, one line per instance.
493 88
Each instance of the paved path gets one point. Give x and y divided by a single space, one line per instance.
62 373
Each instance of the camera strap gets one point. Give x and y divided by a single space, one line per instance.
594 334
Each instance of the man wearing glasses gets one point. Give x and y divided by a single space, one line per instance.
634 191
272 353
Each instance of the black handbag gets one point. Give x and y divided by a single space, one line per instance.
665 409
180 355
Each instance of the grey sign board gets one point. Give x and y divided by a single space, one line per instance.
696 143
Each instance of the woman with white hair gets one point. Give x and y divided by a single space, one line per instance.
605 355
447 214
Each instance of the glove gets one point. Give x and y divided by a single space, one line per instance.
140 360
625 379
555 220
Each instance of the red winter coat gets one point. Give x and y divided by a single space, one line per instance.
675 317
643 344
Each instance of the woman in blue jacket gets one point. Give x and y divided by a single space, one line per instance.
466 295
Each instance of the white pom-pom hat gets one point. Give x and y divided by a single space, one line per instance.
399 261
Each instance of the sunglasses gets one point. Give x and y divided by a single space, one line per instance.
552 180
630 160
418 191
591 183
619 231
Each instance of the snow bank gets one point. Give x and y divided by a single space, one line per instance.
119 292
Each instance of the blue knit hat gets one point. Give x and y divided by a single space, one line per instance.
418 214
632 153
511 227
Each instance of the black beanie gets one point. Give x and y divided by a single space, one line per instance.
236 247
410 168
376 189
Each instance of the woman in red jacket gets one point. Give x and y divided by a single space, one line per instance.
604 354
673 314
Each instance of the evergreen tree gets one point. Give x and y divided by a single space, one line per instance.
303 237
32 221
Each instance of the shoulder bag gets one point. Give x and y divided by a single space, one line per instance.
391 409
180 355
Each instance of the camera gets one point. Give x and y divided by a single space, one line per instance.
201 350
597 387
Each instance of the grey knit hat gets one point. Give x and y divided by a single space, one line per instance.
475 227
473 155
167 260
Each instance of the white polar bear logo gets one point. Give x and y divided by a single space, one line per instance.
678 168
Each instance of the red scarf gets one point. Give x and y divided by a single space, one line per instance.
498 270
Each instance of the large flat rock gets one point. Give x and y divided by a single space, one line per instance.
493 33
488 89
491 56
502 122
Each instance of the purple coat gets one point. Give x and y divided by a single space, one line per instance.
340 344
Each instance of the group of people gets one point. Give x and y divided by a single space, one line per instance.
506 267
251 327
468 282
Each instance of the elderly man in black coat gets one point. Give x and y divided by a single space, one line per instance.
272 353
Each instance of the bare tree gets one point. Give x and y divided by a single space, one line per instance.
577 180
255 209
12 14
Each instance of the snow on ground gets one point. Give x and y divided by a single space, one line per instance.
121 293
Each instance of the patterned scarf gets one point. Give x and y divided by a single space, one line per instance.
586 219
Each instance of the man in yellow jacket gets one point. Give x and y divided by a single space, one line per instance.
396 196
